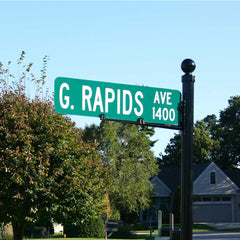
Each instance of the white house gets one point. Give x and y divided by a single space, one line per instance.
58 228
216 193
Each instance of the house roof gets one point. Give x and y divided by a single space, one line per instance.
234 175
171 176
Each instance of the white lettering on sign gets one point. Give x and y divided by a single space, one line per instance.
164 113
166 96
156 98
127 94
66 98
109 99
98 100
169 98
86 97
139 103
118 101
123 100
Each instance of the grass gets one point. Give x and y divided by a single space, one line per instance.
138 237
196 228
230 230
146 233
143 237
69 238
202 228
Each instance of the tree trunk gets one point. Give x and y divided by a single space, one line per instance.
18 230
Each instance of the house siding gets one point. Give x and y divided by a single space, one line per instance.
215 211
162 201
223 185
216 196
237 206
159 188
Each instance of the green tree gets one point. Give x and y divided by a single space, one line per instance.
229 137
46 169
126 151
214 140
172 155
204 145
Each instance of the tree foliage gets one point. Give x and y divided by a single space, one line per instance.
203 146
229 137
214 140
126 151
46 169
173 153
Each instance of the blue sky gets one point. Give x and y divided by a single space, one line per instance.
130 42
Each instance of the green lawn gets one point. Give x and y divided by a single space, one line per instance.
196 228
202 227
141 238
230 230
146 233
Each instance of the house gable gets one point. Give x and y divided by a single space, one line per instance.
159 188
223 184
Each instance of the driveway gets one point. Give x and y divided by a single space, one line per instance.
222 226
216 236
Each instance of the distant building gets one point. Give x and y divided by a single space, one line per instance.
58 228
216 194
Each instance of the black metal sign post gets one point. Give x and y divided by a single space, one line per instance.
188 66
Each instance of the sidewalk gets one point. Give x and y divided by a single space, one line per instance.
161 238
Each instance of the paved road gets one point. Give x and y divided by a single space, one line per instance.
216 236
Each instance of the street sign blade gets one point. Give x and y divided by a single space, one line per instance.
117 101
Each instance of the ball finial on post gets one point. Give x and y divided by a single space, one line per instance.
188 66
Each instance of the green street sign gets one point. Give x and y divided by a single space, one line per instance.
117 101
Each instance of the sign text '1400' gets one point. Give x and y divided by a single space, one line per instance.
163 114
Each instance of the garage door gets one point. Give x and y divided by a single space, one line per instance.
212 213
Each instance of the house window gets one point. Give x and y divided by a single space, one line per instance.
226 198
207 198
198 199
216 198
212 178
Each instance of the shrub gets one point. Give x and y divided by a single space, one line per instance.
124 232
93 228
33 231
141 226
96 228
2 232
